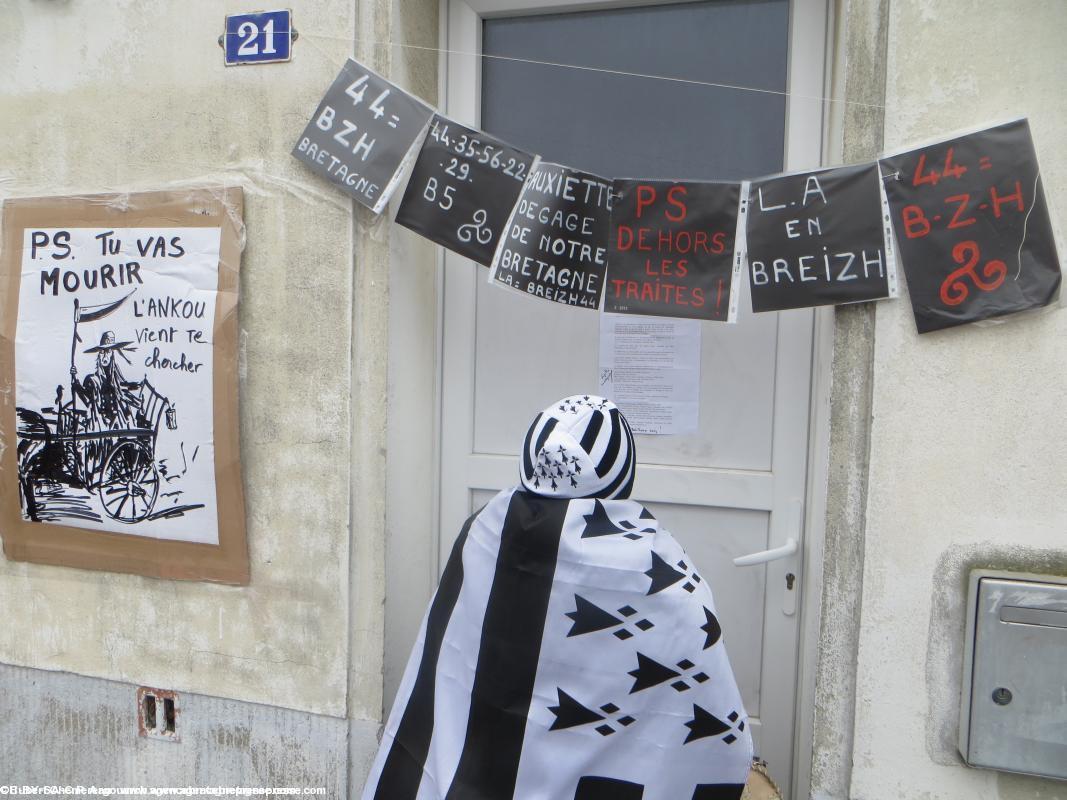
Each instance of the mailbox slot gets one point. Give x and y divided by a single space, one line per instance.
1013 704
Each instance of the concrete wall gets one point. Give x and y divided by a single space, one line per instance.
111 96
132 95
62 729
967 463
854 135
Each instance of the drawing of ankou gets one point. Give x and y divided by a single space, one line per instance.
110 398
106 449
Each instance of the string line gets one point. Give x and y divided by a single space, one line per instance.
601 70
1026 219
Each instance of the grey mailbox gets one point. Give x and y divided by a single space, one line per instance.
1013 711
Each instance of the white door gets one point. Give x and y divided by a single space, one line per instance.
737 485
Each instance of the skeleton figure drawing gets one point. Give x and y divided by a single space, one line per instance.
110 399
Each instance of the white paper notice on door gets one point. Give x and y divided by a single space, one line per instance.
650 367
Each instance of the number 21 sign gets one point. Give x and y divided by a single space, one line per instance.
260 38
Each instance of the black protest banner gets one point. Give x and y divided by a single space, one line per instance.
555 246
463 188
672 247
362 133
818 238
972 227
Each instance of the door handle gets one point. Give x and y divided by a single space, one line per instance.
763 556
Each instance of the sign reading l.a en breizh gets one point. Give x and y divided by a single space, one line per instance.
362 134
818 238
119 343
973 227
555 244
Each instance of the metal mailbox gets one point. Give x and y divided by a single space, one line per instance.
1013 709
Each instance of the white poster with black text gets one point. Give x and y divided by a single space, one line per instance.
113 360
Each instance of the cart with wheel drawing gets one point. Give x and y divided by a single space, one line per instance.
67 448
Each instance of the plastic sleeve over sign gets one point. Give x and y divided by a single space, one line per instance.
120 345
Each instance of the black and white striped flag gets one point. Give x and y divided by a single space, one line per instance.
571 651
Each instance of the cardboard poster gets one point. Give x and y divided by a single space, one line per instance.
672 249
556 242
973 227
119 415
362 134
818 238
462 189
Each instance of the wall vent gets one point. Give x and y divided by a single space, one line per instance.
157 714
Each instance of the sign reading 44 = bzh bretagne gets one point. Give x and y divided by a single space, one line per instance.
362 134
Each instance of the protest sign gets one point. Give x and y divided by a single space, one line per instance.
973 227
119 355
555 246
672 249
462 189
818 238
362 133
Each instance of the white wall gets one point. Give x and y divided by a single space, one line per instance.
968 464
117 96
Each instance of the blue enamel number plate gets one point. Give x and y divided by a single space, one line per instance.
260 38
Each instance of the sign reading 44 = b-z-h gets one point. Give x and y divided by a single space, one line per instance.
973 227
264 37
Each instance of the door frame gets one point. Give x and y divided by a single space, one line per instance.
411 558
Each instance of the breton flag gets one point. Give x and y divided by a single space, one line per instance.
572 651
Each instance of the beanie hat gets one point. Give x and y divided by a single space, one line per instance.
581 446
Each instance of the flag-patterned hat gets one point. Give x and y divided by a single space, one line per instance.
581 446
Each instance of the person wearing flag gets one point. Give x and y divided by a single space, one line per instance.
572 650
